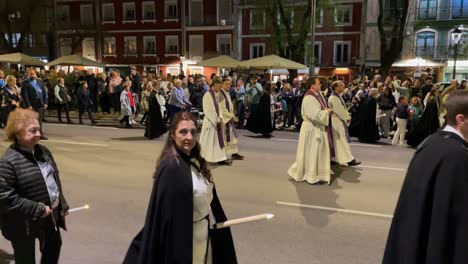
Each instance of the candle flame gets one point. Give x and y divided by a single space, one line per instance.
86 206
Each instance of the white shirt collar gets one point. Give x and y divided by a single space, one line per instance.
448 128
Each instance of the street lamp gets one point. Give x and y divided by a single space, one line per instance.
456 36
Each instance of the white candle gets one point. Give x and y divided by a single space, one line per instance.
78 208
244 220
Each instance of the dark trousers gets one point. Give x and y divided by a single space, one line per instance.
94 100
290 116
125 119
40 111
144 117
88 109
65 107
240 113
24 248
172 110
115 97
105 103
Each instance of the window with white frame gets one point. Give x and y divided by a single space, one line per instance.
257 18
319 18
87 14
148 10
130 45
196 70
170 9
289 16
149 44
172 44
174 71
223 44
342 52
108 12
129 11
65 46
109 45
317 53
257 50
63 14
344 15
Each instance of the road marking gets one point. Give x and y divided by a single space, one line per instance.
77 143
340 210
380 168
365 145
68 125
352 144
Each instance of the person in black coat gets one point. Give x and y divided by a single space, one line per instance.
428 123
32 204
155 125
85 103
34 96
430 223
260 121
10 99
368 129
93 88
182 200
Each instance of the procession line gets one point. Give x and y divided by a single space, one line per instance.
340 210
351 144
380 168
77 143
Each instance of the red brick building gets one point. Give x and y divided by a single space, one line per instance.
161 34
337 40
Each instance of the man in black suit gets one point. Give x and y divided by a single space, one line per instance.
34 95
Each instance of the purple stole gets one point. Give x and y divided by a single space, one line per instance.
348 139
324 106
231 122
218 126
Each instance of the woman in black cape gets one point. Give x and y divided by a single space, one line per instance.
155 125
183 207
429 121
368 129
260 121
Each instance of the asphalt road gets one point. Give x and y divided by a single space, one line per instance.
111 170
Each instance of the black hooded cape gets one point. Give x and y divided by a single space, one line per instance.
427 124
155 126
260 121
167 235
368 129
430 224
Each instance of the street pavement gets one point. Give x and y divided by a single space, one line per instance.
111 170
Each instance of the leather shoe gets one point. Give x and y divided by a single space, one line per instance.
333 162
236 156
354 163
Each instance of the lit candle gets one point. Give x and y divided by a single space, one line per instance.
78 208
244 220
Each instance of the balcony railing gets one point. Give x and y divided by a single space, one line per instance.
441 52
444 13
197 21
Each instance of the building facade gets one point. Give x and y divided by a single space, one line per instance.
169 35
26 27
337 40
434 21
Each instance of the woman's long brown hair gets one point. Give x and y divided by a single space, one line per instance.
169 151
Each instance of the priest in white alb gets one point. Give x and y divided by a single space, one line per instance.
211 137
227 113
340 120
313 151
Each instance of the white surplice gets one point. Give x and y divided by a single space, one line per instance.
210 147
228 115
202 197
340 114
313 152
